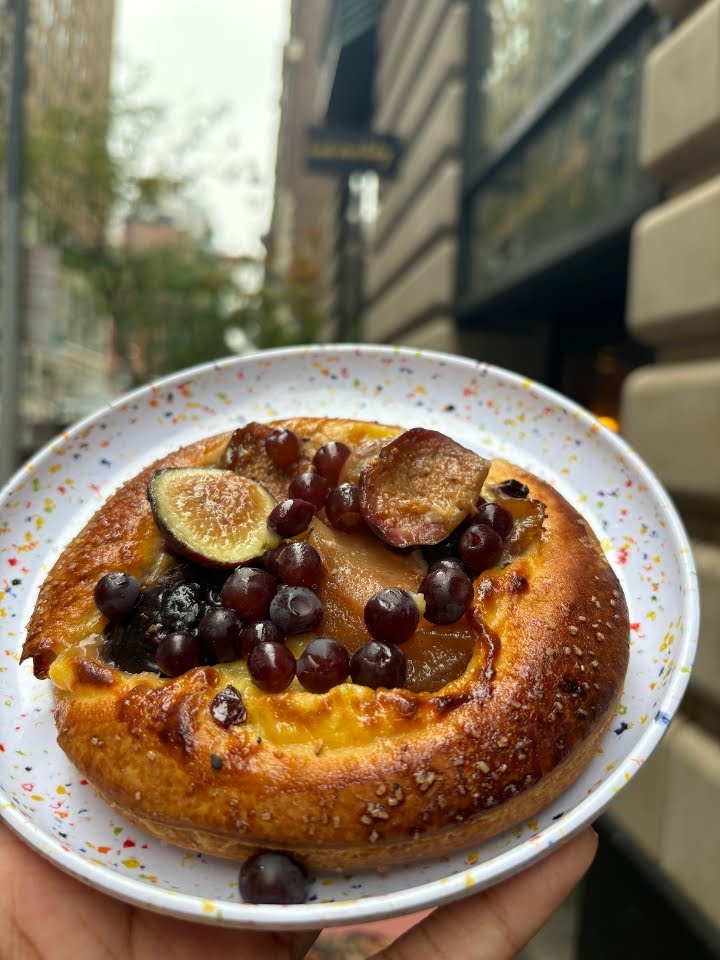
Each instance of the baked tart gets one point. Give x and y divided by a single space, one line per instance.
351 643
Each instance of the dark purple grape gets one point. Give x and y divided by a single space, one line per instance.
342 508
448 594
295 609
290 517
272 666
495 516
272 877
298 564
178 652
311 487
513 488
116 595
181 607
448 563
447 548
480 547
269 559
263 631
330 459
323 664
391 615
248 591
378 664
219 633
282 447
227 708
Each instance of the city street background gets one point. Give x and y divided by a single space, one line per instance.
532 183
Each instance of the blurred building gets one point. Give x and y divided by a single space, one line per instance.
66 342
304 218
503 229
69 52
171 220
555 209
671 414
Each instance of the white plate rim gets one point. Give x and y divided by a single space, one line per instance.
435 892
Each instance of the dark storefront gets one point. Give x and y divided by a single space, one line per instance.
551 185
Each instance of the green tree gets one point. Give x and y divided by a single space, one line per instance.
169 303
282 312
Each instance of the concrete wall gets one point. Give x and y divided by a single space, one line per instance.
304 220
419 97
671 415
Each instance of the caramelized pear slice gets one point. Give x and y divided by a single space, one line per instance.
211 516
420 487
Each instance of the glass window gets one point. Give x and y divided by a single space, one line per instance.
577 168
527 44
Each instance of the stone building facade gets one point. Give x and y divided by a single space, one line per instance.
671 415
419 96
304 218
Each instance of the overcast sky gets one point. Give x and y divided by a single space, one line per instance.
203 53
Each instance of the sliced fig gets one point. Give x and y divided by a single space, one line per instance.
214 517
420 487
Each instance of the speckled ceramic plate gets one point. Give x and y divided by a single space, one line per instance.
490 410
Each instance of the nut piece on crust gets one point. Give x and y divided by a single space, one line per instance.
355 776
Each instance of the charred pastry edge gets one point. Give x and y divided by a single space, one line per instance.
454 776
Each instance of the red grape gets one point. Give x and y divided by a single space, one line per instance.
311 487
330 459
342 508
248 591
272 666
282 447
378 664
298 564
448 594
480 547
323 664
116 595
391 615
290 517
513 488
177 653
227 708
219 632
295 609
263 631
495 516
270 877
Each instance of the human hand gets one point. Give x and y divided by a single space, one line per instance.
46 915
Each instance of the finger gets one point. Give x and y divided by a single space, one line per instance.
497 923
300 943
82 921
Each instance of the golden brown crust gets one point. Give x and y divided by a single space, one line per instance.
352 777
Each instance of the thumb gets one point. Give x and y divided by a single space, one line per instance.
496 923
